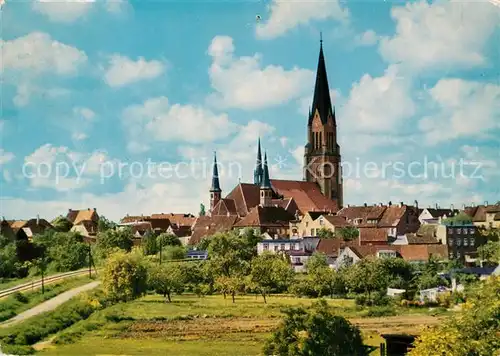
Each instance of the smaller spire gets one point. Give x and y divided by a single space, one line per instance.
215 176
321 38
257 175
266 183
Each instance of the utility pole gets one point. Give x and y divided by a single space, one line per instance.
43 268
90 262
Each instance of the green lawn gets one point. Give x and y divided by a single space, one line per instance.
203 326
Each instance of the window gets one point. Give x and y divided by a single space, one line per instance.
312 232
459 241
459 254
450 231
296 260
266 247
466 242
472 241
307 224
282 247
450 255
297 246
321 221
450 241
275 247
471 231
459 231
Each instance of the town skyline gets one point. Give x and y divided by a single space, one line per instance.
124 101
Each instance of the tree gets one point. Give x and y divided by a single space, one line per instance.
67 251
166 239
9 262
104 224
230 285
125 276
366 277
490 252
202 210
270 272
347 233
316 261
315 332
325 233
166 279
474 330
172 253
111 239
149 244
61 224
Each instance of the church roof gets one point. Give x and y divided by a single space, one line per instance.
269 216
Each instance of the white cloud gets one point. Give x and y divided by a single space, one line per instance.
367 38
243 82
63 10
5 156
79 136
285 15
441 34
83 112
39 53
68 11
61 169
26 90
464 109
159 120
122 70
378 104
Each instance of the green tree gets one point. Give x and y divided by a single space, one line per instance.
325 233
230 254
166 279
62 224
316 261
149 244
473 331
9 262
270 272
67 252
365 277
315 332
347 233
166 239
173 253
230 285
490 252
104 224
125 276
114 239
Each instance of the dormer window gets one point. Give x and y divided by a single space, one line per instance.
321 221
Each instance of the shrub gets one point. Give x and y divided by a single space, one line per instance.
380 311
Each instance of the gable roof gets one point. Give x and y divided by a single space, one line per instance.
337 221
179 219
369 234
407 252
426 234
436 213
307 195
269 216
205 226
385 216
75 216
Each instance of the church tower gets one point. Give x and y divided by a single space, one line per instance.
322 161
215 191
258 171
266 192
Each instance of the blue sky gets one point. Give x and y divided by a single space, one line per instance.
94 90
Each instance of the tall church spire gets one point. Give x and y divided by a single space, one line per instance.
266 183
215 191
266 192
321 99
258 172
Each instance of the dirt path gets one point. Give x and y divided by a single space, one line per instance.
50 304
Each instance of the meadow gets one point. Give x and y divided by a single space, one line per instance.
212 325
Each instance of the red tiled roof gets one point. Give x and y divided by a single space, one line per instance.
407 252
337 221
176 219
269 216
369 234
205 226
182 231
130 219
392 215
307 195
330 247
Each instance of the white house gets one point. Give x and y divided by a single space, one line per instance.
435 215
279 245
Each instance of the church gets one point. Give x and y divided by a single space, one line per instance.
271 204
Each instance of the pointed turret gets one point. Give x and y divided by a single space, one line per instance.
258 171
265 187
321 99
215 191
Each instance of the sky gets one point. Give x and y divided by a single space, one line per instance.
120 105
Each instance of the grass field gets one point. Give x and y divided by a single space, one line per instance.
16 304
205 326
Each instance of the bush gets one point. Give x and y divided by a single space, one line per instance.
21 298
380 311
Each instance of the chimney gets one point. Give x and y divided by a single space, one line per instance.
366 205
88 209
69 210
437 206
402 204
463 206
486 203
452 207
416 204
390 203
473 204
381 204
439 220
38 219
95 209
